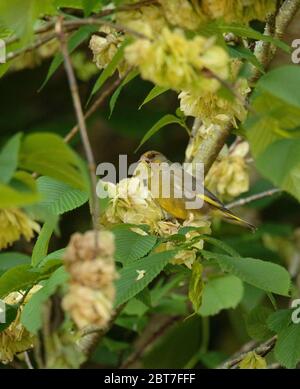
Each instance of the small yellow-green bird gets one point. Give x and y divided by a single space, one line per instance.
159 168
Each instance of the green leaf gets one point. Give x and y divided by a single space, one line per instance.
40 248
247 54
31 316
135 307
110 68
24 276
221 245
11 312
271 82
164 121
12 259
89 6
134 73
264 275
137 275
55 255
256 323
59 197
221 293
4 68
279 320
280 163
78 4
48 154
248 32
175 348
196 286
275 110
20 191
273 128
9 158
75 40
155 91
21 15
131 246
145 297
287 347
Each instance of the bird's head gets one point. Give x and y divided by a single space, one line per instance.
153 157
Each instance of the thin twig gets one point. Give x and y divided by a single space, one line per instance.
73 24
101 99
45 28
258 196
101 14
138 353
102 22
261 350
35 45
81 124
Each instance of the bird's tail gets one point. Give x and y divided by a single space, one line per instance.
237 220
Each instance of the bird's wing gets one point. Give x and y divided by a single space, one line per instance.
194 188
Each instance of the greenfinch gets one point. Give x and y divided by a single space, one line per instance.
183 191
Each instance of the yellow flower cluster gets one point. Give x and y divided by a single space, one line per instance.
187 257
183 13
16 339
105 47
228 176
91 293
173 61
190 14
241 11
148 20
131 202
14 223
214 109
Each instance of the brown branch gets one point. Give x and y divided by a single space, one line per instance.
285 15
261 350
138 353
81 124
98 102
107 12
35 45
262 48
276 26
210 147
73 24
250 199
101 22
